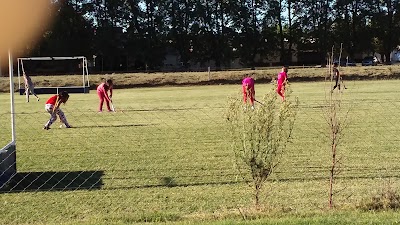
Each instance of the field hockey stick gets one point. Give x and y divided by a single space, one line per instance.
341 80
258 102
54 109
112 105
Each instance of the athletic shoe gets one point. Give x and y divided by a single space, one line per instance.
46 128
68 126
38 99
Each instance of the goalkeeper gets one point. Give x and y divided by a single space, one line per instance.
29 87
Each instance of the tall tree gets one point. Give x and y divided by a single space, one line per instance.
70 34
385 26
179 20
254 26
109 19
316 21
351 26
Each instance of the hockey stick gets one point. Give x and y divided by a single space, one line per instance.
112 105
258 102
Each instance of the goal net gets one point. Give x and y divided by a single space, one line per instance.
76 69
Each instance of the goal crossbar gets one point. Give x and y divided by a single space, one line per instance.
50 90
52 58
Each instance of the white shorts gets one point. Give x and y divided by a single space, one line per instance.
49 107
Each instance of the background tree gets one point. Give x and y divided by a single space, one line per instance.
386 28
179 19
351 27
316 20
277 7
138 34
70 34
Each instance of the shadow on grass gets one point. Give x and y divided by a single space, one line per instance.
55 181
171 182
165 109
121 125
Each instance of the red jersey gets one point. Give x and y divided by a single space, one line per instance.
282 76
102 91
104 88
101 88
52 100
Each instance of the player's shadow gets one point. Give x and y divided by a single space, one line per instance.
55 181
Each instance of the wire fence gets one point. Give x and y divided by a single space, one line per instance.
112 150
184 146
121 160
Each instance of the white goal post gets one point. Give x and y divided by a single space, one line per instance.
49 90
8 160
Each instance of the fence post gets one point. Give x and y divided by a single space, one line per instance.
209 74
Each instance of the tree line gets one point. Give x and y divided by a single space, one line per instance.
138 34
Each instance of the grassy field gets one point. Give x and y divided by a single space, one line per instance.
163 157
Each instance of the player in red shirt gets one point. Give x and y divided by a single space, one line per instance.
282 79
248 90
102 90
53 107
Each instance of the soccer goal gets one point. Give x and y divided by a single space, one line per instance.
55 66
8 163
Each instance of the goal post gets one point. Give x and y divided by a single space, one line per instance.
81 62
8 161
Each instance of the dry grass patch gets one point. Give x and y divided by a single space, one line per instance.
262 75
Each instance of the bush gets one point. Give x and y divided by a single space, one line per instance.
259 136
387 199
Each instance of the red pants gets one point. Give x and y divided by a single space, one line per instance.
248 92
102 97
281 91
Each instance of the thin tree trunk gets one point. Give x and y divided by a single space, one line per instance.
332 172
282 42
289 2
257 194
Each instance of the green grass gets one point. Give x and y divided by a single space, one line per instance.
163 157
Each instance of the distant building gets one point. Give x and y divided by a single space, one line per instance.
395 55
172 61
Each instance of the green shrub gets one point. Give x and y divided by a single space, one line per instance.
259 136
387 199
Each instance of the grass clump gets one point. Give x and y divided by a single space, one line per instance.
387 199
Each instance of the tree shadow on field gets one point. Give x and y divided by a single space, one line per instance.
120 125
162 109
55 181
171 182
